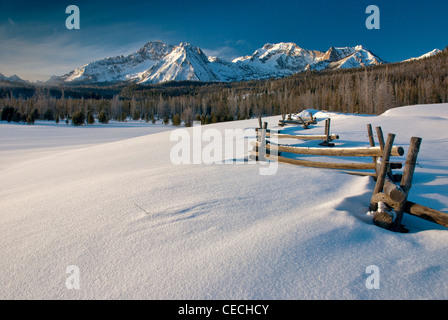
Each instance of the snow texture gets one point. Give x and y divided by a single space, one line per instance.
109 201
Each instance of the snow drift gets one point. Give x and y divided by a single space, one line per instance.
139 227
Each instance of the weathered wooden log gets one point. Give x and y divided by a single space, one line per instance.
426 213
381 173
302 137
406 180
392 165
299 121
393 191
304 123
326 142
318 164
261 143
344 152
310 120
379 133
361 173
382 197
384 216
371 139
415 209
370 134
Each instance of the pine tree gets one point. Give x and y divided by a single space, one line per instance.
30 119
102 117
136 116
49 115
213 118
176 120
90 118
78 118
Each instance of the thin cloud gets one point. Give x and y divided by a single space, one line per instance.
49 56
11 22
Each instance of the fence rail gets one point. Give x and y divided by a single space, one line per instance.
389 200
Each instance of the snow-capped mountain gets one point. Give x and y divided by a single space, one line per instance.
184 62
121 68
157 62
346 58
13 78
426 55
360 57
281 59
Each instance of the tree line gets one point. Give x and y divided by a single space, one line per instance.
369 90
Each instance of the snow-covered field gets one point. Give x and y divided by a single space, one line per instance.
108 200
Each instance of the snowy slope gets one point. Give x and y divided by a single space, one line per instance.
426 55
139 227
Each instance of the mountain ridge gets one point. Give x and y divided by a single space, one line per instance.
157 62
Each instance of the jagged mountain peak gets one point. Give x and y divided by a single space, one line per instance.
155 46
337 53
284 46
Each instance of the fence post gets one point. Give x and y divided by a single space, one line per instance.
261 145
379 133
406 180
371 139
327 140
381 174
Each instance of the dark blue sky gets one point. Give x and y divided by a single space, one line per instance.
35 44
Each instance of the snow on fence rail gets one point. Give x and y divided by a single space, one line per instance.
389 200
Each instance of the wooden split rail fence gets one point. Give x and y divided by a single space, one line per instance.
389 200
305 122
